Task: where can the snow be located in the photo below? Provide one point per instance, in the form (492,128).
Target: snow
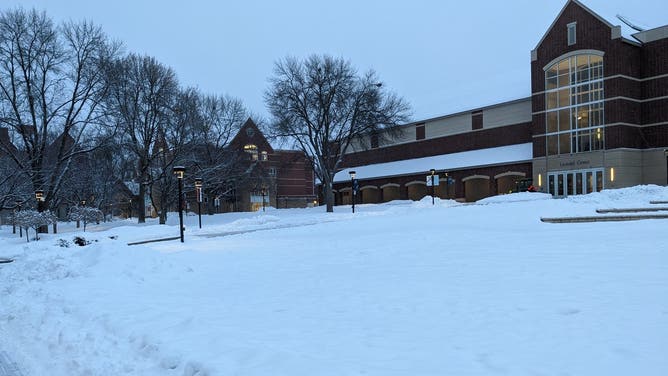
(453,161)
(403,288)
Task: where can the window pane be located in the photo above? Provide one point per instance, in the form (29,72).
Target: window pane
(569,183)
(583,141)
(551,100)
(599,181)
(560,184)
(552,122)
(563,66)
(564,120)
(590,182)
(551,83)
(564,143)
(564,80)
(596,114)
(564,98)
(550,185)
(552,142)
(582,116)
(578,183)
(597,141)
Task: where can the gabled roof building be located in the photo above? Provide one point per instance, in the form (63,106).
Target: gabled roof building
(597,118)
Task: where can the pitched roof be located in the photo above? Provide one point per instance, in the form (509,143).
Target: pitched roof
(626,31)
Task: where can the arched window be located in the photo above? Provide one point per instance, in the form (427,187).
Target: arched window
(574,104)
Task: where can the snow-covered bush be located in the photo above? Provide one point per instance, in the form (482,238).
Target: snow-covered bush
(34,219)
(85,215)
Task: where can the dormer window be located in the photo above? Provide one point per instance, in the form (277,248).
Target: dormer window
(263,156)
(572,33)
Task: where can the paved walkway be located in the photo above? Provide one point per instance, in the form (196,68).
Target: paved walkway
(7,366)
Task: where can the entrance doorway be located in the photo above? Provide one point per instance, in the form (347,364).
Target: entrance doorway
(569,183)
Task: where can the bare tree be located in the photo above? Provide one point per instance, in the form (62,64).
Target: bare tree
(220,118)
(323,104)
(143,95)
(51,90)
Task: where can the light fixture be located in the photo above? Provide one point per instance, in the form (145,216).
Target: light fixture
(352,174)
(612,174)
(179,171)
(39,195)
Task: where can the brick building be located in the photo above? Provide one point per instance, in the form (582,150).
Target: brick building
(597,118)
(278,178)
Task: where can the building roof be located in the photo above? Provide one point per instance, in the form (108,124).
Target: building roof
(448,162)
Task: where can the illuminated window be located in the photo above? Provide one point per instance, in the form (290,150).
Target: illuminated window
(574,105)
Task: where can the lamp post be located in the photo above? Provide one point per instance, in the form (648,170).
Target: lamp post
(264,193)
(18,206)
(432,185)
(447,186)
(352,186)
(198,192)
(180,171)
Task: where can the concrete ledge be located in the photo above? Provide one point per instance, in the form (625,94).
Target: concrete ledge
(5,261)
(658,202)
(155,240)
(631,210)
(609,218)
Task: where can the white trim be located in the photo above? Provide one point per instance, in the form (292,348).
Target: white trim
(510,173)
(347,189)
(390,185)
(368,187)
(475,177)
(571,54)
(416,182)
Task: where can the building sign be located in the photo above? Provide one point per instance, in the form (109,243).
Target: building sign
(577,163)
(429,180)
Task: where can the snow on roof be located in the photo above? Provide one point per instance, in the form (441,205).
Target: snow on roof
(453,161)
(627,31)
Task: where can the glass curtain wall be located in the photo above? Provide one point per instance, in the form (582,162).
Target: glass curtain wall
(574,105)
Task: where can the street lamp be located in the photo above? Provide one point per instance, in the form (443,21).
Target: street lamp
(180,171)
(432,185)
(18,206)
(352,186)
(83,202)
(198,192)
(264,193)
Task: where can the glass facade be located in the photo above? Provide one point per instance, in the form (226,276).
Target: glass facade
(574,105)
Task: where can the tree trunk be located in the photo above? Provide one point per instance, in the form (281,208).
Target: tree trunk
(141,212)
(329,197)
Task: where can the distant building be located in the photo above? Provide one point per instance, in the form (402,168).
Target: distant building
(597,118)
(265,176)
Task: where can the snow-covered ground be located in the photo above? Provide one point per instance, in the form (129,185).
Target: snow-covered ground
(403,288)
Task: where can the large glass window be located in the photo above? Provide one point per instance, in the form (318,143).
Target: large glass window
(574,105)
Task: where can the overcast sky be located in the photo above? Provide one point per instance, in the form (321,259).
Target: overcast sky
(442,56)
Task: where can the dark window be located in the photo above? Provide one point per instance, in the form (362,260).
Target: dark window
(419,132)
